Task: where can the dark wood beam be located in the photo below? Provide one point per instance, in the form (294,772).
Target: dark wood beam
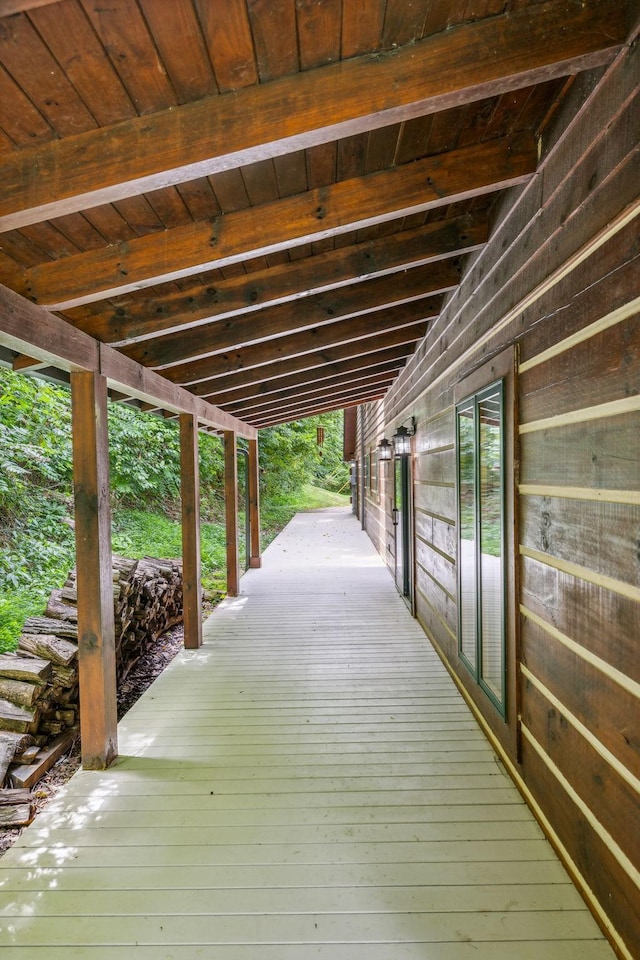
(231,511)
(289,318)
(190,497)
(351,371)
(132,320)
(325,393)
(96,629)
(296,410)
(404,339)
(28,329)
(253,497)
(357,330)
(474,61)
(309,411)
(258,231)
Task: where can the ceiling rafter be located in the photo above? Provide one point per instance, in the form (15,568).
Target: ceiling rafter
(296,112)
(279,248)
(314,215)
(134,321)
(289,318)
(358,331)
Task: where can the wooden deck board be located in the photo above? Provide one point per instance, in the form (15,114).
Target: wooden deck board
(307,784)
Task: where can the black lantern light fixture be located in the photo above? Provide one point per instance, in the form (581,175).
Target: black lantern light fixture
(402,439)
(384,449)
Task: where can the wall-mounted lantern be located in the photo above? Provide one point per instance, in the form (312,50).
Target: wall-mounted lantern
(402,439)
(384,449)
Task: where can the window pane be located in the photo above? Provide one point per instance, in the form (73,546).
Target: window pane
(491,560)
(467,553)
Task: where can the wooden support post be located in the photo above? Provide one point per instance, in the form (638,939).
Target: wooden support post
(231,511)
(190,491)
(96,633)
(253,505)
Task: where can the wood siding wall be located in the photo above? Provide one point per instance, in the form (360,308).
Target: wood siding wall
(559,281)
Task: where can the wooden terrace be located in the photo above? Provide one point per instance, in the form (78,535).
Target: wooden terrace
(308,783)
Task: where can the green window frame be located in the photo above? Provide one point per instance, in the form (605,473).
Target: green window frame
(482,594)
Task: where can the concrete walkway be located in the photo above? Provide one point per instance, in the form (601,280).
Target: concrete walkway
(307,785)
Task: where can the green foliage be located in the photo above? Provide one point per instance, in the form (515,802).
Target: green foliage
(36,502)
(14,610)
(35,439)
(290,455)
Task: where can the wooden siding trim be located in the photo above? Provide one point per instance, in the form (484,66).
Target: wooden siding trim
(630,497)
(623,772)
(614,408)
(584,573)
(592,330)
(587,813)
(624,681)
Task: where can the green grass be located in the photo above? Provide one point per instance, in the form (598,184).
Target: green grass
(140,533)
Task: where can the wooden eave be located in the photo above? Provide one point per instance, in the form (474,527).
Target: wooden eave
(251,223)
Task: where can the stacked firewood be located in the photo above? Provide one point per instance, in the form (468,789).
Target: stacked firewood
(39,693)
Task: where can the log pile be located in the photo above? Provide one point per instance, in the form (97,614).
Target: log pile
(39,693)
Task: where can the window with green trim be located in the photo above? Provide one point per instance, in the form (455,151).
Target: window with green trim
(481,539)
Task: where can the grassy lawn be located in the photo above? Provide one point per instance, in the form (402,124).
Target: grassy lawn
(139,533)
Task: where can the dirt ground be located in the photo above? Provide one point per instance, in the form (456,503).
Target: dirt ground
(138,680)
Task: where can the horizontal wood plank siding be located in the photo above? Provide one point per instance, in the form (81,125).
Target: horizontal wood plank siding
(559,280)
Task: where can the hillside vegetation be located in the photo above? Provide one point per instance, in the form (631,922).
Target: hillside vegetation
(37,546)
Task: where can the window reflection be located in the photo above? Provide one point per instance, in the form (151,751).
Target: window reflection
(480,546)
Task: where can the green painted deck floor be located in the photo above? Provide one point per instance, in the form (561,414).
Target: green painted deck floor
(307,784)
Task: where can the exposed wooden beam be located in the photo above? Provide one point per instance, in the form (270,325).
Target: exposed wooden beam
(253,497)
(23,362)
(190,497)
(403,338)
(132,320)
(231,511)
(293,409)
(356,330)
(301,412)
(29,329)
(288,318)
(349,370)
(258,231)
(96,630)
(325,394)
(475,60)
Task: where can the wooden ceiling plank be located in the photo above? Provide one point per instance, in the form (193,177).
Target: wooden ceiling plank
(301,414)
(21,122)
(328,387)
(30,62)
(308,341)
(393,359)
(73,41)
(133,53)
(351,204)
(548,40)
(329,358)
(362,23)
(275,37)
(228,35)
(296,408)
(191,76)
(288,318)
(319,29)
